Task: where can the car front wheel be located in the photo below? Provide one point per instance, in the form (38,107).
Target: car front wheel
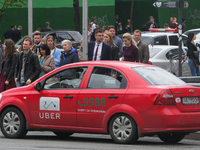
(171,137)
(12,123)
(123,129)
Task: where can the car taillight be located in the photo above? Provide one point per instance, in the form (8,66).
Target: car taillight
(165,98)
(150,62)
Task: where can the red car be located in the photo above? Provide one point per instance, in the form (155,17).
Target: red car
(126,100)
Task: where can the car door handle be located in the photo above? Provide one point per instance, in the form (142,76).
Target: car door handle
(68,96)
(113,96)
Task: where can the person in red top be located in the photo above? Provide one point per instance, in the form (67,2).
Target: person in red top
(131,52)
(173,24)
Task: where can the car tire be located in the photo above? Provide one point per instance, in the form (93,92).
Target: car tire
(62,134)
(123,129)
(13,123)
(171,137)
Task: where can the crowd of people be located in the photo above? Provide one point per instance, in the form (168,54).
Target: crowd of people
(28,63)
(173,24)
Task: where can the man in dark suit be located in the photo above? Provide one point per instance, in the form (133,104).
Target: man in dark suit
(97,50)
(143,48)
(8,33)
(16,34)
(47,27)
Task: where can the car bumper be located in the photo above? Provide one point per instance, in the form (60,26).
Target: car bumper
(169,119)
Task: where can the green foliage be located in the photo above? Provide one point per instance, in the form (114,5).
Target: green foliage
(11,3)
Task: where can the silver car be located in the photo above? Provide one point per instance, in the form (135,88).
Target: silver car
(159,56)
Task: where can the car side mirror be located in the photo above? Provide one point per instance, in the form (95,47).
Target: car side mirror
(38,86)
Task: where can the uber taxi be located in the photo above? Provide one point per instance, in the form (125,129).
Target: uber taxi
(126,100)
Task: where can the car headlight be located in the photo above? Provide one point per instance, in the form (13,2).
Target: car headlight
(0,96)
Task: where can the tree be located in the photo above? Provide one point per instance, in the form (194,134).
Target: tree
(11,3)
(77,19)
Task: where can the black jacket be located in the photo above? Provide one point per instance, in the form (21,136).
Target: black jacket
(8,34)
(69,57)
(191,49)
(32,66)
(46,29)
(9,67)
(115,51)
(16,35)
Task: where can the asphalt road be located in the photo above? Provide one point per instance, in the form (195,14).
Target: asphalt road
(48,141)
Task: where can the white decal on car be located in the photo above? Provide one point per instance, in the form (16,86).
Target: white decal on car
(49,103)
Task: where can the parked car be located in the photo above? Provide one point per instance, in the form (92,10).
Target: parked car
(59,36)
(196,31)
(123,99)
(159,56)
(160,38)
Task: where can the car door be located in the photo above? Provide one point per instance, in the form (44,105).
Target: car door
(103,93)
(56,103)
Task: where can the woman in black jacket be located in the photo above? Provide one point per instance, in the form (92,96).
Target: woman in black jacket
(193,61)
(108,39)
(8,66)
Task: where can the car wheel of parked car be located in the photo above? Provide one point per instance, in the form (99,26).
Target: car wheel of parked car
(62,134)
(13,123)
(123,129)
(171,137)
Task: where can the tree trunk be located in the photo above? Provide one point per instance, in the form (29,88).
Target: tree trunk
(77,16)
(131,15)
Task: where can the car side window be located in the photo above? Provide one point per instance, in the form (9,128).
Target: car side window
(175,53)
(66,79)
(63,36)
(161,40)
(106,78)
(173,40)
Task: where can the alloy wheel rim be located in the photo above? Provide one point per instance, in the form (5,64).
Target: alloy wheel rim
(122,128)
(11,123)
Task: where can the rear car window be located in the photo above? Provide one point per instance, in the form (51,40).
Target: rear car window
(173,40)
(154,51)
(161,40)
(147,40)
(157,76)
(77,35)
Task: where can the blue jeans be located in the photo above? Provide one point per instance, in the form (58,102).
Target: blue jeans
(194,70)
(20,84)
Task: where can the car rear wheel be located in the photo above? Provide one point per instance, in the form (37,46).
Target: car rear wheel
(12,123)
(123,129)
(171,137)
(62,134)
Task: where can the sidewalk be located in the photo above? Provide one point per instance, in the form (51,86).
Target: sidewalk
(193,136)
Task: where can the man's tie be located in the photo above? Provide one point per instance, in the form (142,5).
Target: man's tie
(95,57)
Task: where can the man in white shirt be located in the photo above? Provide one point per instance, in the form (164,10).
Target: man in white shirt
(97,50)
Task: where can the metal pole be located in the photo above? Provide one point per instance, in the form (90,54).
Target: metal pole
(180,36)
(85,30)
(30,18)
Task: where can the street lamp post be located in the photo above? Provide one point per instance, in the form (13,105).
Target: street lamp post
(30,18)
(85,30)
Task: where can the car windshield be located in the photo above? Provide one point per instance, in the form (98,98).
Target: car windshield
(77,35)
(187,32)
(146,39)
(154,51)
(157,76)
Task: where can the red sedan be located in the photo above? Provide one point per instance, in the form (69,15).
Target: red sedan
(126,100)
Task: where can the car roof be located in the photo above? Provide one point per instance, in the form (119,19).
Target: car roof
(118,64)
(58,31)
(198,29)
